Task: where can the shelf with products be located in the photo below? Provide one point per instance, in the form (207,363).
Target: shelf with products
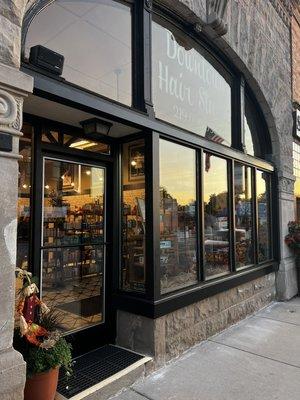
(81,228)
(133,249)
(67,263)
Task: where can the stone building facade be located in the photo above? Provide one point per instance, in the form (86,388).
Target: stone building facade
(258,44)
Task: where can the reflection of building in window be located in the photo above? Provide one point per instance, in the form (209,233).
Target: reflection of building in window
(263,201)
(133,216)
(244,252)
(216,229)
(178,236)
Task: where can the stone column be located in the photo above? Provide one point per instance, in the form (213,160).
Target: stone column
(286,279)
(14,86)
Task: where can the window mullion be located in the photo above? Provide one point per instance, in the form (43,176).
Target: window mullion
(152,217)
(255,216)
(231,216)
(238,109)
(141,54)
(200,216)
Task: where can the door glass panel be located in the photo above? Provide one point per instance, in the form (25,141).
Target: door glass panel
(73,249)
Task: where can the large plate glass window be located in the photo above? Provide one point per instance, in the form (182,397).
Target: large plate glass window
(133,216)
(216,216)
(178,228)
(94,36)
(73,242)
(263,210)
(24,197)
(188,91)
(243,203)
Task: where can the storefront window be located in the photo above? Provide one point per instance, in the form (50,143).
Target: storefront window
(216,224)
(244,253)
(133,216)
(296,161)
(178,228)
(94,36)
(263,204)
(24,202)
(187,90)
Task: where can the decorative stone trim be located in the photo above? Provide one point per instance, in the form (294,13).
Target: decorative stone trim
(215,10)
(286,184)
(8,108)
(285,9)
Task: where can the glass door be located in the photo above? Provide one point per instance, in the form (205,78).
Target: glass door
(73,242)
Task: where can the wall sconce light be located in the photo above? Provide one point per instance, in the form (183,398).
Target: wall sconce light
(95,127)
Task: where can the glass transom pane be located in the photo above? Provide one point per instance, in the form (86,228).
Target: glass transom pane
(187,90)
(94,36)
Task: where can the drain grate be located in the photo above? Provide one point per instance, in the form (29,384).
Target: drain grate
(94,367)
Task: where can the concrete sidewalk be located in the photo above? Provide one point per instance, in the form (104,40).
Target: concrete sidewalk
(258,359)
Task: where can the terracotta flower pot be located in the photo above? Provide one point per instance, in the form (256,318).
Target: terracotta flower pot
(42,386)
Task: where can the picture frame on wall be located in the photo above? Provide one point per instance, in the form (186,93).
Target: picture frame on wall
(136,163)
(71,178)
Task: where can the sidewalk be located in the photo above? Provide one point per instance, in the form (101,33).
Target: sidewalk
(258,359)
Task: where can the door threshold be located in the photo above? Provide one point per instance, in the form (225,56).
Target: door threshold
(100,370)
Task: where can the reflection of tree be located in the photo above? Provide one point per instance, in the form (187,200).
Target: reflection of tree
(217,204)
(164,194)
(262,197)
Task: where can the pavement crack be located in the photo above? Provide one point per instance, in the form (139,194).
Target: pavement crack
(254,354)
(278,320)
(142,394)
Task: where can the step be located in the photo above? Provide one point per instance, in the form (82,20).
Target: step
(101,373)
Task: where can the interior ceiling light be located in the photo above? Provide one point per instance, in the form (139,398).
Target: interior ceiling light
(82,144)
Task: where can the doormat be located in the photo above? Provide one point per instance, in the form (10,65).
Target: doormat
(94,367)
(85,307)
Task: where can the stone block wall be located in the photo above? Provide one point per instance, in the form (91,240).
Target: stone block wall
(295,36)
(167,337)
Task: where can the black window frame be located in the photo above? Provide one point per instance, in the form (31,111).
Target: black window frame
(141,115)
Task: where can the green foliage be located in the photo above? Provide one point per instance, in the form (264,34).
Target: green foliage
(294,227)
(42,360)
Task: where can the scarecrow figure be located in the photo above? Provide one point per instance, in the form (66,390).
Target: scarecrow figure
(30,308)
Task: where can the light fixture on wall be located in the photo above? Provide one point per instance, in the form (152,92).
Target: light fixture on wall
(95,127)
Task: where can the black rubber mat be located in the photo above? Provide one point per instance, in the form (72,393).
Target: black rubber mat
(94,367)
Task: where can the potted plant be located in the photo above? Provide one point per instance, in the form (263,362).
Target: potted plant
(41,344)
(292,239)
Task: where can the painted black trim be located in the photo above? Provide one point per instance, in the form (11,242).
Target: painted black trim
(66,94)
(175,301)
